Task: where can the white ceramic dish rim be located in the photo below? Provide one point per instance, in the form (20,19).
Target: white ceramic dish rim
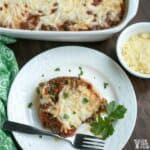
(119,55)
(117,28)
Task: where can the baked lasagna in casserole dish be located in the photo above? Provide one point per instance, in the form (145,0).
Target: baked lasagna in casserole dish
(66,103)
(61,15)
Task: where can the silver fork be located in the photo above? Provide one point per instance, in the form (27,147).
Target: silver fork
(79,141)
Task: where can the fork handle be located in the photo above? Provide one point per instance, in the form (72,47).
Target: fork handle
(14,126)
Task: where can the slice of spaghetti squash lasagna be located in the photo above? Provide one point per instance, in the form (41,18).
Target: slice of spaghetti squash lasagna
(66,103)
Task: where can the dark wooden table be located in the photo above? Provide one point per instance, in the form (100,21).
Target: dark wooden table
(26,49)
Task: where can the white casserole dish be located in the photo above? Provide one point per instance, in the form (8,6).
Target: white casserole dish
(77,36)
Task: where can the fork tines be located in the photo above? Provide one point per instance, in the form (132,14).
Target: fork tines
(89,142)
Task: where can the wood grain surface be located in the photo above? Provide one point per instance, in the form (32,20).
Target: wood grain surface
(26,49)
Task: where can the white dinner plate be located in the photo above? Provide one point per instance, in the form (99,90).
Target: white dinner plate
(97,68)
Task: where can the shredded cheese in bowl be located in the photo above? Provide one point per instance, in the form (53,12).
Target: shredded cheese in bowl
(136,52)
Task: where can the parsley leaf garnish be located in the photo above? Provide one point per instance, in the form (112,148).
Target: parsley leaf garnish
(65,95)
(103,127)
(30,105)
(81,71)
(74,112)
(38,90)
(115,111)
(106,85)
(85,100)
(66,116)
(57,69)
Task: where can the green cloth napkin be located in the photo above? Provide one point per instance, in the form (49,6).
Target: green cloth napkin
(8,71)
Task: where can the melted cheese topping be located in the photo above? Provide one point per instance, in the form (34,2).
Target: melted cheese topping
(136,52)
(61,14)
(76,107)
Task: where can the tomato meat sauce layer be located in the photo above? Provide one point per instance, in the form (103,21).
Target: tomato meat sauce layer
(68,102)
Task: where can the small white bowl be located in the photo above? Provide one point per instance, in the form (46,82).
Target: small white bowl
(142,27)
